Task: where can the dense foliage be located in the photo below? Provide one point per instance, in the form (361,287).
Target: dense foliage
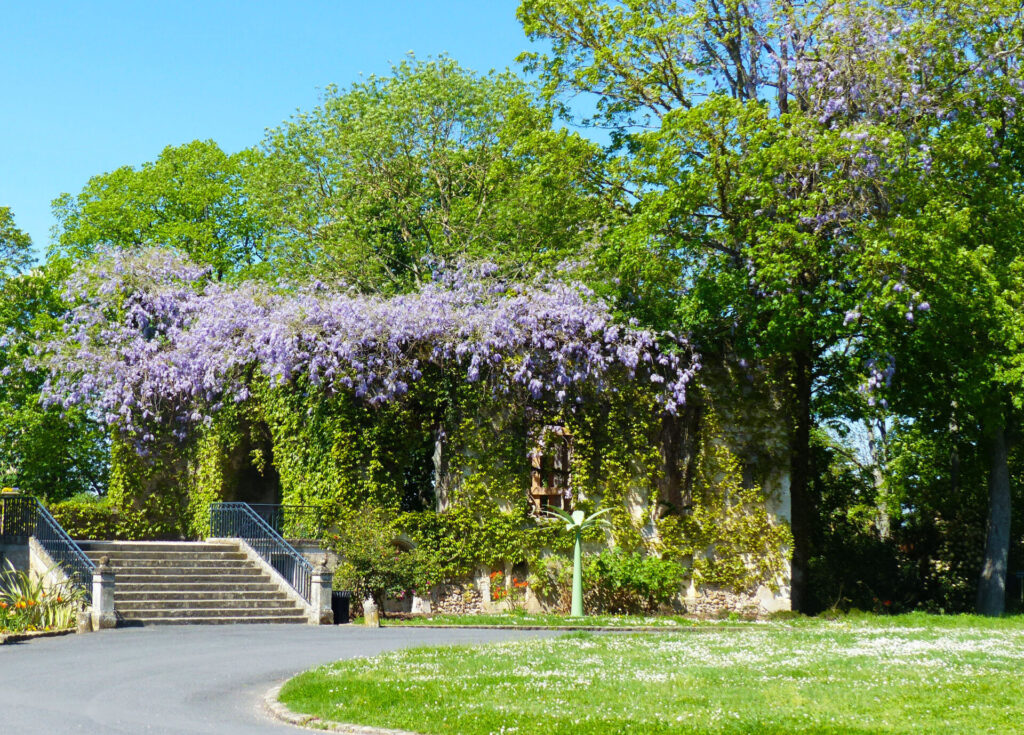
(796,264)
(784,177)
(432,163)
(615,581)
(373,562)
(43,451)
(87,516)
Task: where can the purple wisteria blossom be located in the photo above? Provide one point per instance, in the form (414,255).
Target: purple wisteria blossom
(153,344)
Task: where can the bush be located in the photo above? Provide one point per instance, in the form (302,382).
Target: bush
(551,582)
(614,581)
(371,563)
(88,517)
(630,583)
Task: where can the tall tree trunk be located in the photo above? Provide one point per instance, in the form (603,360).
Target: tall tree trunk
(442,476)
(680,447)
(954,454)
(992,585)
(801,500)
(876,450)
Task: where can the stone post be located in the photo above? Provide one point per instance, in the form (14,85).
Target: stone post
(103,596)
(83,621)
(371,615)
(421,605)
(320,596)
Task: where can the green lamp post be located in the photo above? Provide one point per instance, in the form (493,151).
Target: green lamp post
(578,522)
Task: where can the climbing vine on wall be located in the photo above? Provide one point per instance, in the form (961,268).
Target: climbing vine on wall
(728,532)
(616,461)
(151,491)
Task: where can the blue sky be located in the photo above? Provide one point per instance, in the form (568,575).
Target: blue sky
(86,87)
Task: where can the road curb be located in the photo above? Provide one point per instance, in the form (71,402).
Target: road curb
(6,638)
(280,711)
(580,628)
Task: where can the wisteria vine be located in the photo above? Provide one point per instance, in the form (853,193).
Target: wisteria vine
(152,344)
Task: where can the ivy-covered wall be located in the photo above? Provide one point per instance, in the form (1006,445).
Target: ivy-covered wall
(452,462)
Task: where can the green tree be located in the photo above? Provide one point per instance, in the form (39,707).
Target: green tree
(730,190)
(15,245)
(371,563)
(430,164)
(191,198)
(960,232)
(764,147)
(43,451)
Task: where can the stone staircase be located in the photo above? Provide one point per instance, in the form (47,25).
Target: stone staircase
(176,583)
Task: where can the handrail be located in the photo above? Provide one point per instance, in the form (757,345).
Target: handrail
(238,520)
(25,516)
(17,518)
(62,549)
(293,521)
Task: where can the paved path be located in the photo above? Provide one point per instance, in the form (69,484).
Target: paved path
(181,680)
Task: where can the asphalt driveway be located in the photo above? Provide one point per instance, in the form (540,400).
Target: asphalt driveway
(181,679)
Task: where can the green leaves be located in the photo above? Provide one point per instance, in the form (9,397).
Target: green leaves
(15,246)
(191,198)
(371,561)
(46,452)
(433,163)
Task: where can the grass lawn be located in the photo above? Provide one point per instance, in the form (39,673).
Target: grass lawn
(545,620)
(908,674)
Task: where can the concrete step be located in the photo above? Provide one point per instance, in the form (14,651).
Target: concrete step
(217,620)
(144,557)
(191,607)
(152,546)
(160,565)
(173,583)
(157,613)
(178,586)
(217,594)
(185,574)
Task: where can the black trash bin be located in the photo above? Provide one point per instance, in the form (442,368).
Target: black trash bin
(339,605)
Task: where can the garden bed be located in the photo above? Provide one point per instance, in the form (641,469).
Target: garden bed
(912,673)
(22,636)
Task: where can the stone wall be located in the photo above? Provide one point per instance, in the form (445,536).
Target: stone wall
(457,599)
(16,554)
(708,603)
(712,604)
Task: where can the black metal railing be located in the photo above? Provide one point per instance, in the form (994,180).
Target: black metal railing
(239,520)
(62,549)
(17,518)
(22,516)
(294,521)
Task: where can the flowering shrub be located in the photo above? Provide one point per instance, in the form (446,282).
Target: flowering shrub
(28,604)
(155,346)
(370,562)
(514,594)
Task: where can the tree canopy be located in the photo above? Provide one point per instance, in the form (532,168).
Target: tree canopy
(824,198)
(192,197)
(428,165)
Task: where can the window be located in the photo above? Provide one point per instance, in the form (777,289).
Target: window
(549,470)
